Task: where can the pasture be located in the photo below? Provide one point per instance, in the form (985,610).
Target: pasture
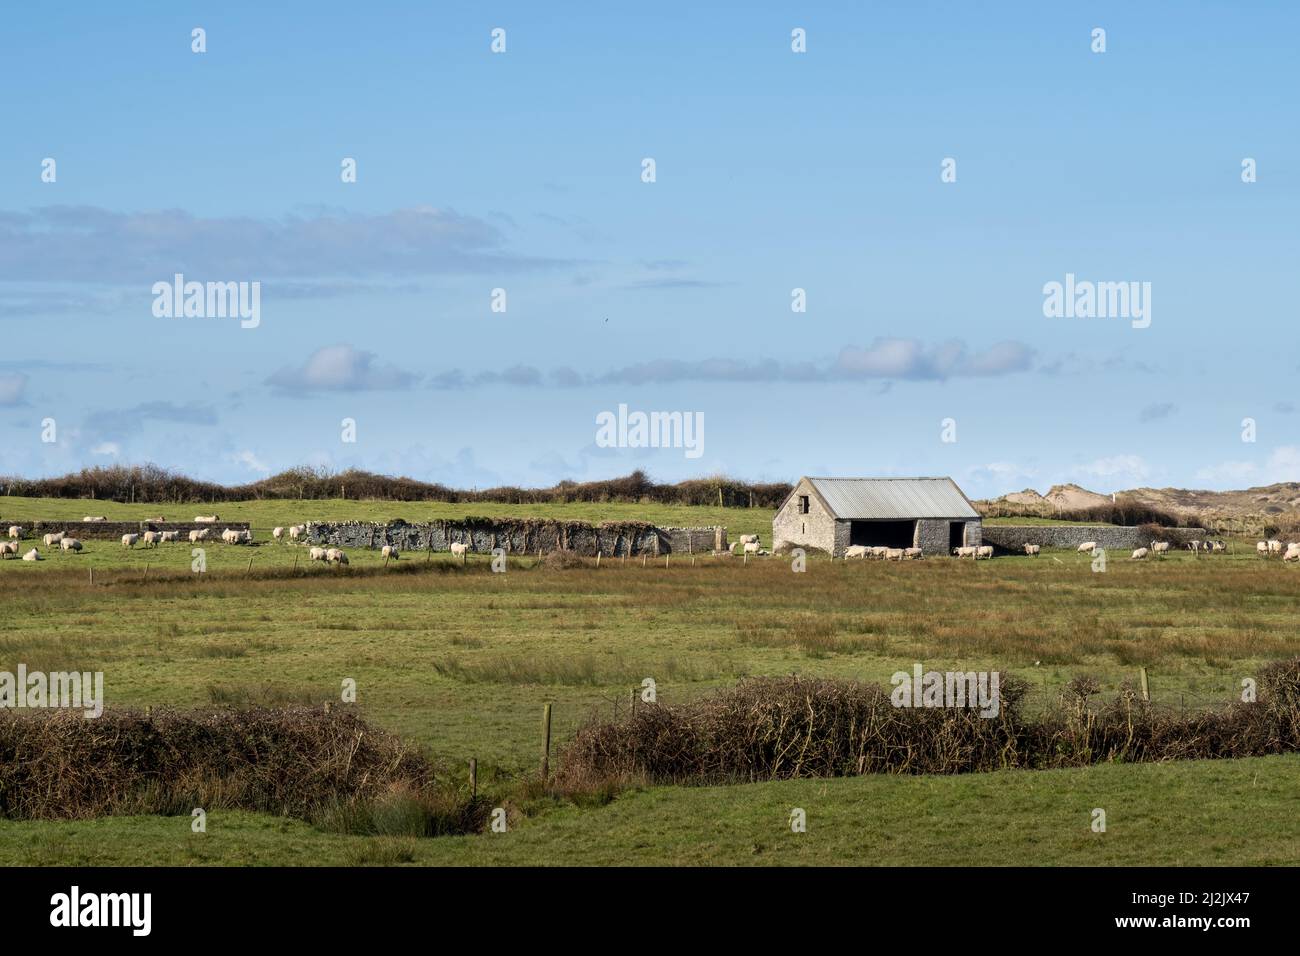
(459,661)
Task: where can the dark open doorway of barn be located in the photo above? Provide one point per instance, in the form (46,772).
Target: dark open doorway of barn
(888,534)
(956,535)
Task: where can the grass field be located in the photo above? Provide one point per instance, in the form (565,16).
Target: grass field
(459,661)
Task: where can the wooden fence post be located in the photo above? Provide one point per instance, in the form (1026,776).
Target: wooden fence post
(1146,687)
(546,742)
(473,777)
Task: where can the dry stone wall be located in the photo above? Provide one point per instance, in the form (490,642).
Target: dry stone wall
(520,537)
(1013,538)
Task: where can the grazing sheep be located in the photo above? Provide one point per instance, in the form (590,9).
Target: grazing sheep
(966,552)
(1139,554)
(33,555)
(1087,546)
(165,536)
(1292,552)
(129,540)
(1218,546)
(459,547)
(207,519)
(893,554)
(1032,550)
(749,539)
(1159,547)
(245,537)
(69,544)
(316,554)
(984,551)
(94,518)
(878,552)
(228,536)
(751,547)
(1274,546)
(388,551)
(53,538)
(336,556)
(296,531)
(912,554)
(1194,546)
(7,548)
(151,538)
(198,534)
(856,551)
(277,533)
(1261,547)
(15,532)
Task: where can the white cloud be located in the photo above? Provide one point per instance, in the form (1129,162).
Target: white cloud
(340,368)
(12,388)
(250,461)
(110,449)
(1118,470)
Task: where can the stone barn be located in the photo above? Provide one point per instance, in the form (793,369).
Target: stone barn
(831,514)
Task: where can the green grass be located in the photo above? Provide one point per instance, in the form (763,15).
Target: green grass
(459,661)
(1224,813)
(265,515)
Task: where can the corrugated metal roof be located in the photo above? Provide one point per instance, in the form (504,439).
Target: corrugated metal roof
(862,499)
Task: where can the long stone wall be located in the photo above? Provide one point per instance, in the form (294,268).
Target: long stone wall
(115,529)
(1013,538)
(521,537)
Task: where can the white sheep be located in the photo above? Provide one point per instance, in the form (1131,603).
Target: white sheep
(855,551)
(984,551)
(244,537)
(151,538)
(733,546)
(7,548)
(206,519)
(1217,546)
(1274,546)
(33,555)
(1292,552)
(1159,547)
(1088,546)
(388,551)
(129,540)
(1032,550)
(878,552)
(1194,546)
(165,536)
(336,556)
(1139,554)
(15,532)
(229,536)
(94,518)
(53,538)
(277,533)
(749,539)
(966,552)
(296,531)
(1261,547)
(751,547)
(70,544)
(316,554)
(459,547)
(198,534)
(912,554)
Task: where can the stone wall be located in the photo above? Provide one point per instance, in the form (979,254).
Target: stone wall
(932,534)
(114,530)
(816,529)
(521,537)
(1013,538)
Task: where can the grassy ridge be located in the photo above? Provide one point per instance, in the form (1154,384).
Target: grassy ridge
(1225,813)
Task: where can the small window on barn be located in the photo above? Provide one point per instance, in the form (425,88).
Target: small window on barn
(803,504)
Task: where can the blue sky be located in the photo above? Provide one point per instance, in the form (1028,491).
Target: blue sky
(774,171)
